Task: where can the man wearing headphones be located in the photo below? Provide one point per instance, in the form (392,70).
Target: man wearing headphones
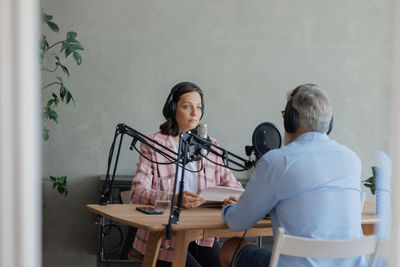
(310,187)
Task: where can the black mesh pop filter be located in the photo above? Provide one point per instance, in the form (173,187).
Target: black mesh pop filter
(266,136)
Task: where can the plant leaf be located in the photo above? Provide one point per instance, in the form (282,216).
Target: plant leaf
(63,46)
(68,50)
(61,184)
(65,70)
(72,40)
(71,35)
(370,180)
(51,114)
(68,97)
(43,43)
(77,46)
(53,26)
(63,92)
(55,99)
(45,133)
(78,58)
(59,78)
(45,17)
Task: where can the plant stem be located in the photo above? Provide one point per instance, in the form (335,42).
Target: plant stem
(50,70)
(51,85)
(54,45)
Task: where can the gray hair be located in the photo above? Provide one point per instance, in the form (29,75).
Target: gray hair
(313,106)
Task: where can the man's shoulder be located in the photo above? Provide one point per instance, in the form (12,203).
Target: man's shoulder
(344,149)
(297,149)
(274,155)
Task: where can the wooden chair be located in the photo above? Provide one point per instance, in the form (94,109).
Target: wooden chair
(125,197)
(315,248)
(133,255)
(381,252)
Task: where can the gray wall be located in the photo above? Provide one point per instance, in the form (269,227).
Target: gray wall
(244,54)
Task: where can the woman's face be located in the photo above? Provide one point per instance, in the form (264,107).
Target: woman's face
(188,111)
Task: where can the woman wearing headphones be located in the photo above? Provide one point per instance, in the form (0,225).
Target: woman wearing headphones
(183,110)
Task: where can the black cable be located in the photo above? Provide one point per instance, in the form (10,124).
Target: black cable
(189,170)
(222,165)
(106,230)
(165,163)
(236,250)
(161,163)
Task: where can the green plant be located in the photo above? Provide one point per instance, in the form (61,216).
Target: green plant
(370,182)
(56,91)
(60,183)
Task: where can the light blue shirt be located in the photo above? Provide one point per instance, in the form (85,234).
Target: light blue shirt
(311,188)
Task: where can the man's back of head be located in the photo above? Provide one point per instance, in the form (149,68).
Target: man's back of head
(308,109)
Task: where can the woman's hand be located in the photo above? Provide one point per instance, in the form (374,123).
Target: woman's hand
(191,200)
(230,200)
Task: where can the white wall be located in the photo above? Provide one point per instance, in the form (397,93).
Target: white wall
(20,148)
(244,54)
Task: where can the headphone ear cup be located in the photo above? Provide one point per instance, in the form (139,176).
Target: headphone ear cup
(167,109)
(170,105)
(172,109)
(291,120)
(330,126)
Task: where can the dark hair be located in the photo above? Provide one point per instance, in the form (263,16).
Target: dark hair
(170,126)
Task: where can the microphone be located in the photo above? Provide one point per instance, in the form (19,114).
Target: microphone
(202,131)
(265,137)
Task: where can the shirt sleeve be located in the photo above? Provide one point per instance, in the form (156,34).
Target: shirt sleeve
(141,190)
(257,200)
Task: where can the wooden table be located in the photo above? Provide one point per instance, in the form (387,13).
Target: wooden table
(193,224)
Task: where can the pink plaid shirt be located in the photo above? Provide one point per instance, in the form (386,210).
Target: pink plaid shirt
(144,185)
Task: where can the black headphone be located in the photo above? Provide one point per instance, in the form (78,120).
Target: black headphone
(291,115)
(169,109)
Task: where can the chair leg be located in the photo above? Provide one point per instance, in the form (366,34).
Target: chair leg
(259,241)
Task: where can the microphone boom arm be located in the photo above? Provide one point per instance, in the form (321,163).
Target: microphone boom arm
(120,131)
(180,159)
(204,143)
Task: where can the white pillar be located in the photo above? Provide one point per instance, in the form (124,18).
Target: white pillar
(395,138)
(20,143)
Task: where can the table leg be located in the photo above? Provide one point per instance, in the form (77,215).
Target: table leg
(152,249)
(183,238)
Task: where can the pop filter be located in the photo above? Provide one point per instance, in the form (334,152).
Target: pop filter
(266,136)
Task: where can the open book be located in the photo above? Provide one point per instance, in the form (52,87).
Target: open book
(215,196)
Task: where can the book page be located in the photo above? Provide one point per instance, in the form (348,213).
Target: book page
(217,194)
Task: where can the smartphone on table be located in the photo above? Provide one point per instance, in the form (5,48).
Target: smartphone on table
(149,210)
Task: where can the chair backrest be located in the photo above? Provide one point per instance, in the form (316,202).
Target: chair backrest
(316,248)
(382,253)
(125,197)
